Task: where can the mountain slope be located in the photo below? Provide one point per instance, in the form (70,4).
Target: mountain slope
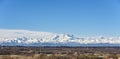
(34,38)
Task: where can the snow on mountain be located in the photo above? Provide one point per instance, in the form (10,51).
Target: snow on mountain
(34,38)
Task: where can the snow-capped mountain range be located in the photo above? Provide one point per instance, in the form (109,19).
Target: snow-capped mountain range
(34,38)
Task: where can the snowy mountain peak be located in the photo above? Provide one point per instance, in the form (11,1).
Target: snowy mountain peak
(34,38)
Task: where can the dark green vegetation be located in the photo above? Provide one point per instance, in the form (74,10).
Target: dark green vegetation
(20,52)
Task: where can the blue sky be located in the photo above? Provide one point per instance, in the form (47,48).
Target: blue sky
(81,17)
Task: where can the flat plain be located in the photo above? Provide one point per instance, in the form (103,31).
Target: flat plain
(62,52)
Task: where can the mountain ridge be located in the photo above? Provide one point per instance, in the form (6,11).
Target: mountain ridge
(34,38)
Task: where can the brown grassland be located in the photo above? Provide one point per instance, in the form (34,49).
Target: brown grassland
(20,52)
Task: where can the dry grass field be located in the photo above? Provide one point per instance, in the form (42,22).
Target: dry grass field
(59,56)
(59,52)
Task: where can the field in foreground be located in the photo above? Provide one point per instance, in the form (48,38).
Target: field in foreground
(55,56)
(20,52)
